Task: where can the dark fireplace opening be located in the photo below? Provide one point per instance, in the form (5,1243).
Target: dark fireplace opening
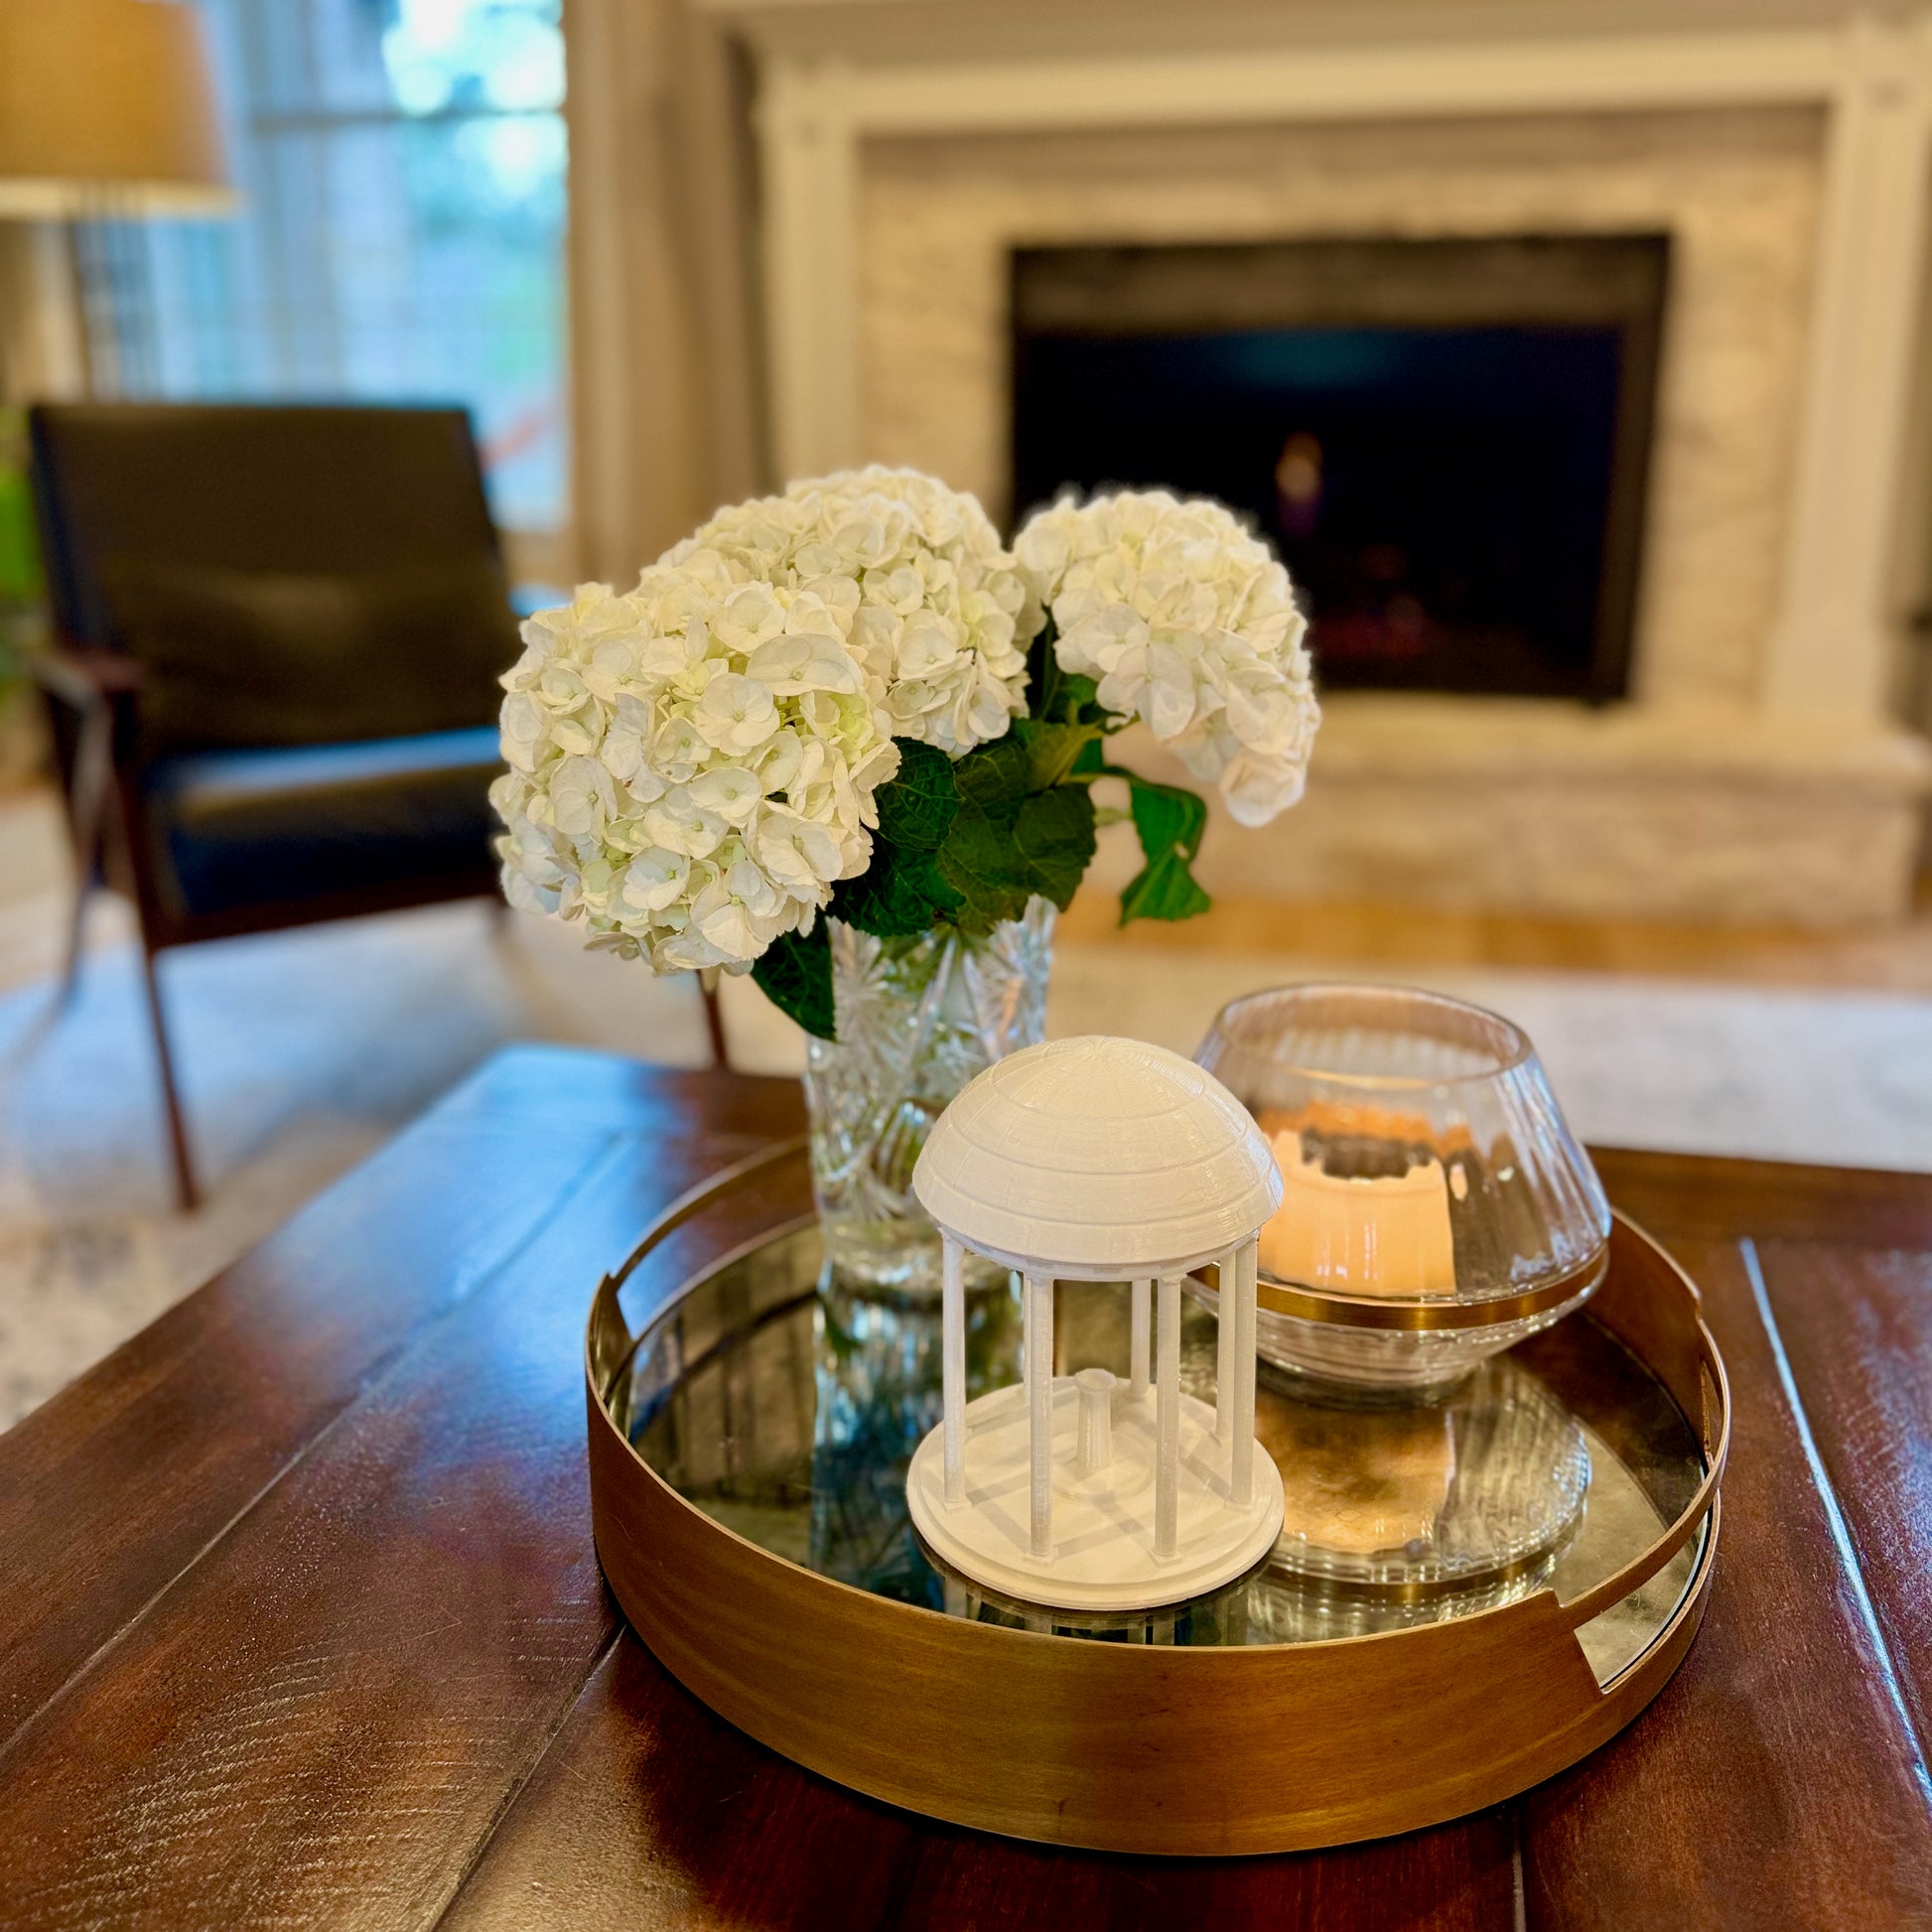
(1446,442)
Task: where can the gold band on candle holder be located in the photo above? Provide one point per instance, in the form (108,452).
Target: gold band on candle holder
(1308,1304)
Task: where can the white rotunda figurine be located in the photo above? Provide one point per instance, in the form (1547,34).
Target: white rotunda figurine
(1099,1160)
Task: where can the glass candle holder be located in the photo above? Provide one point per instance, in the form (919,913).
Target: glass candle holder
(1436,1209)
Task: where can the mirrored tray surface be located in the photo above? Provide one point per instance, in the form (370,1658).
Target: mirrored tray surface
(785,1405)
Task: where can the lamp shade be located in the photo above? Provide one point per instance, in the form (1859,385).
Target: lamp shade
(107,107)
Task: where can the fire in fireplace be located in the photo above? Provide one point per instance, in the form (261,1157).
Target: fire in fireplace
(1447,441)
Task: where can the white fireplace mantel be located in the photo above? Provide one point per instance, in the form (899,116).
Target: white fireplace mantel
(1874,79)
(832,76)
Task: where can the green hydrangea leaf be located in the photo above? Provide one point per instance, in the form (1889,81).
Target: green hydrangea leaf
(1169,823)
(992,778)
(917,804)
(1043,671)
(1164,888)
(1053,842)
(1053,751)
(978,861)
(1080,700)
(795,975)
(920,873)
(898,895)
(1021,829)
(1056,696)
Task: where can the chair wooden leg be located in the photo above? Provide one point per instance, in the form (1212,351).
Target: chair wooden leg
(92,770)
(714,1019)
(186,1193)
(76,940)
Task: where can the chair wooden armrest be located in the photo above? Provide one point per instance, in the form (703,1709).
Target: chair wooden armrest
(83,676)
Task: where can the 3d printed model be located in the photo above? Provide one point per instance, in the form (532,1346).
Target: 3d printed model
(1099,1160)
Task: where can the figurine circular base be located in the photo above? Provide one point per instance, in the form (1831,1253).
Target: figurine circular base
(1102,1557)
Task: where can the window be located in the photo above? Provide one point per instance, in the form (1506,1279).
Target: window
(402,164)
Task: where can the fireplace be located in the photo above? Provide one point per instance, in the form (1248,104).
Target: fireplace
(1447,441)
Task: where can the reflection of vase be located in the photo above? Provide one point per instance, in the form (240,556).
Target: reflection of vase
(878,1368)
(917,1018)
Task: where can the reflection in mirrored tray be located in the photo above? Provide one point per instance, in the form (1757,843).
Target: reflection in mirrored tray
(787,1404)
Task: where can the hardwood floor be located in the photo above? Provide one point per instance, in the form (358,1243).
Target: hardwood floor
(1894,959)
(34,887)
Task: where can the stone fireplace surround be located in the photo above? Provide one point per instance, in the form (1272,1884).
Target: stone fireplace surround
(1756,773)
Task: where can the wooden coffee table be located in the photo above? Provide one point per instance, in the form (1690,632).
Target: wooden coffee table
(300,1621)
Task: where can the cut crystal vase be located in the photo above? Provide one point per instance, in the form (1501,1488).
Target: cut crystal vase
(917,1018)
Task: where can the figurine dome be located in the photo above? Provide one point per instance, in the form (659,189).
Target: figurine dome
(1101,1158)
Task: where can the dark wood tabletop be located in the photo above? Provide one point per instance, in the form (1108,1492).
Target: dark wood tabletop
(300,1624)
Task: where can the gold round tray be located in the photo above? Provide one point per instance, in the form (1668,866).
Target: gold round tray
(746,1420)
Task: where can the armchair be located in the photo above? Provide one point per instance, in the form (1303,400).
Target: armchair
(273,693)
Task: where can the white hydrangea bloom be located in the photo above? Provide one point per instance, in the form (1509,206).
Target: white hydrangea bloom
(1186,622)
(692,766)
(908,575)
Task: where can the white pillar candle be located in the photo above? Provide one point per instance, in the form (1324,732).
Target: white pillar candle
(1388,1234)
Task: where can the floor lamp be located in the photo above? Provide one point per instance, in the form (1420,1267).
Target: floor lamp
(107,113)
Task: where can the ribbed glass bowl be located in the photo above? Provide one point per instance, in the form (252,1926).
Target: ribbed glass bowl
(1437,1208)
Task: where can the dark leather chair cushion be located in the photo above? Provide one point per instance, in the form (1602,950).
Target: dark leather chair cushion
(254,659)
(260,828)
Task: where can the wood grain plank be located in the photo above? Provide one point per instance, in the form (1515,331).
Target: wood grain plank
(651,1812)
(319,1720)
(1855,1325)
(1771,1784)
(1701,1198)
(109,1491)
(1457,1877)
(527,1084)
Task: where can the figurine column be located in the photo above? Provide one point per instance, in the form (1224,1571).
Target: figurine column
(1038,1343)
(952,1307)
(1239,1289)
(1141,1324)
(1167,1423)
(1224,1355)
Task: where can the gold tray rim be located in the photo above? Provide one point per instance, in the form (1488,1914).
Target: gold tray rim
(851,1685)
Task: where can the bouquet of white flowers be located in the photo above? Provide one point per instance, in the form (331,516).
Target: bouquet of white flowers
(852,699)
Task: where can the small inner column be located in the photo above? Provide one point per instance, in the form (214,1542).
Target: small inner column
(1166,1424)
(1141,1324)
(1040,1408)
(1096,1431)
(1241,1466)
(953,1373)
